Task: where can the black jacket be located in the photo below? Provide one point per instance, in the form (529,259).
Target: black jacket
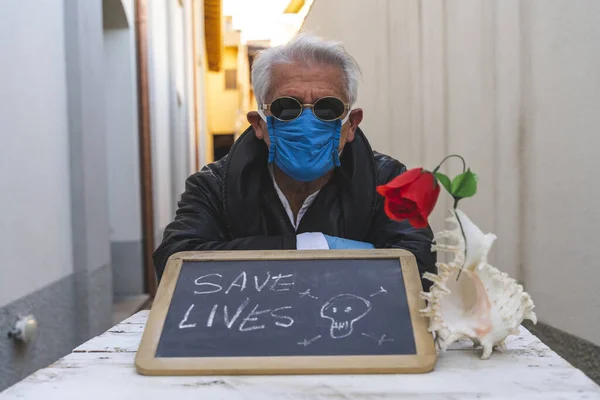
(231,204)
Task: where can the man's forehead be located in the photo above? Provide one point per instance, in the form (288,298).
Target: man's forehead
(307,82)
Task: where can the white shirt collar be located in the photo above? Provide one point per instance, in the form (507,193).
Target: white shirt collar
(286,205)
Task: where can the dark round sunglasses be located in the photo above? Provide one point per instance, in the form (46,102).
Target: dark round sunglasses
(288,108)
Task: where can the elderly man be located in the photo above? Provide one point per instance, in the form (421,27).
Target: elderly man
(303,176)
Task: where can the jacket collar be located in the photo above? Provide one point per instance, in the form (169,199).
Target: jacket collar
(248,190)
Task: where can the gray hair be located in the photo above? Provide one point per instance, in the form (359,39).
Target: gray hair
(307,49)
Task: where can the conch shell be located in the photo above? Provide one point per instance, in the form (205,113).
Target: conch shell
(484,305)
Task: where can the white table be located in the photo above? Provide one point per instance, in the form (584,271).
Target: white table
(103,368)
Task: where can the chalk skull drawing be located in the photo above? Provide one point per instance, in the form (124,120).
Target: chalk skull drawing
(344,310)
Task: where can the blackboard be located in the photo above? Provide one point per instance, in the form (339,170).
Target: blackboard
(292,307)
(285,305)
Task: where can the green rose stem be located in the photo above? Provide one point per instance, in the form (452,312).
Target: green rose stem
(456,199)
(450,156)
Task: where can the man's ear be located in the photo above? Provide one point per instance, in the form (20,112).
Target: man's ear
(356,117)
(257,124)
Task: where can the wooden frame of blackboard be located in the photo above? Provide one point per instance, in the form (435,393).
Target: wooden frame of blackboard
(423,361)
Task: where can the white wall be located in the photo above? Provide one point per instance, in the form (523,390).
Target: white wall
(200,64)
(189,89)
(563,126)
(35,228)
(122,132)
(159,81)
(129,8)
(178,100)
(514,87)
(331,19)
(172,100)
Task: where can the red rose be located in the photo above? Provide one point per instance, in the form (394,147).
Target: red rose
(411,195)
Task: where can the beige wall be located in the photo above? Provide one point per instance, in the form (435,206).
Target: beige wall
(227,108)
(246,95)
(222,104)
(514,87)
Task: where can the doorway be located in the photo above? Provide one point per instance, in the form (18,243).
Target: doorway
(222,144)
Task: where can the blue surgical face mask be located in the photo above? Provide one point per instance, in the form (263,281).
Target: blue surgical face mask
(305,148)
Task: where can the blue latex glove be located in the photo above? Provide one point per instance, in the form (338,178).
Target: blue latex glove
(337,243)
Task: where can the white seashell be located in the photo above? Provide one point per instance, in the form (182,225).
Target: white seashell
(484,305)
(478,243)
